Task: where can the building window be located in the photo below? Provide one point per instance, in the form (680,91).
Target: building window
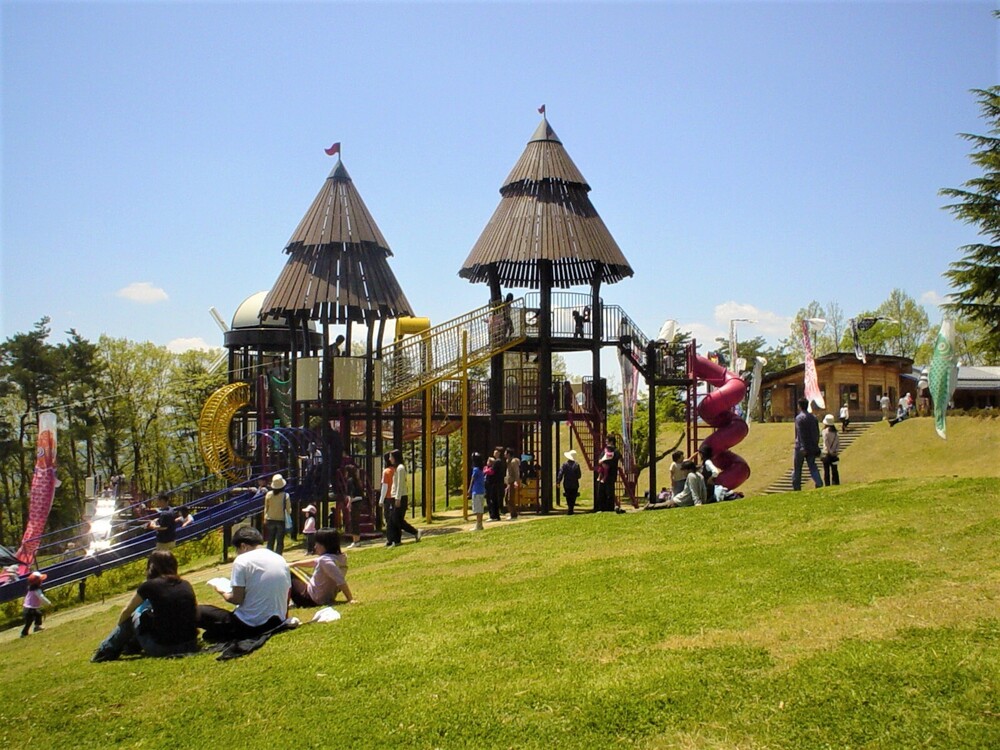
(849,395)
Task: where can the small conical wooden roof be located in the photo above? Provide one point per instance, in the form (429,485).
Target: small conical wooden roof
(545,214)
(338,267)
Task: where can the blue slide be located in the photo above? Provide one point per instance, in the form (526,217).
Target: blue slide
(231,509)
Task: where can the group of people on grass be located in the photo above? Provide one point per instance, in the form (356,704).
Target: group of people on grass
(692,483)
(163,617)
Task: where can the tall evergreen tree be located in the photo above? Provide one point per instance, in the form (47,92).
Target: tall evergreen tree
(976,277)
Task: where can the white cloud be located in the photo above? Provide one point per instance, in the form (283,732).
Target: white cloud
(177,346)
(143,292)
(768,324)
(931,297)
(704,334)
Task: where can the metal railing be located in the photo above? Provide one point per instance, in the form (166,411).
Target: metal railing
(423,359)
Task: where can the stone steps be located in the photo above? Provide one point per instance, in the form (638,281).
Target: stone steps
(856,430)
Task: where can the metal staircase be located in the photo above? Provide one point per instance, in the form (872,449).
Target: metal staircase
(443,351)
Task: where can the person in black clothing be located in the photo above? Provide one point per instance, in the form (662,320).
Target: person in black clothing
(165,524)
(494,484)
(160,619)
(569,476)
(607,475)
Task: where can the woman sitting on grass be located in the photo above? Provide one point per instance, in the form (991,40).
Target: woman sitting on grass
(692,494)
(329,567)
(161,618)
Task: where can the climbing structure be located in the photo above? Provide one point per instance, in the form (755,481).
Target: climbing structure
(545,234)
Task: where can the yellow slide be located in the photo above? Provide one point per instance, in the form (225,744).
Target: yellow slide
(217,414)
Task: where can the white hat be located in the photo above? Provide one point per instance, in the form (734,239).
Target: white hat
(309,509)
(277,482)
(570,454)
(828,419)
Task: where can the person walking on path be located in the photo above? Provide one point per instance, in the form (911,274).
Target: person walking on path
(806,446)
(385,498)
(34,600)
(569,476)
(845,417)
(400,498)
(276,508)
(831,451)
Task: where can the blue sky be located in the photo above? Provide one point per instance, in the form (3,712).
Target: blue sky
(748,157)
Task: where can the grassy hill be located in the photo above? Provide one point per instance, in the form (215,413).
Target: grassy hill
(859,616)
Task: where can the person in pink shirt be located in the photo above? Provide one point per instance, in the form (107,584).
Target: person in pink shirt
(328,579)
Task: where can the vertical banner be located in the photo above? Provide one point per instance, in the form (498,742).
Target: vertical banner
(812,381)
(754,410)
(943,376)
(43,489)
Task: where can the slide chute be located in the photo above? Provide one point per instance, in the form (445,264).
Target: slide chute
(716,409)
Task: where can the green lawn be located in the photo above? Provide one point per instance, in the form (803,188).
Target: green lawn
(852,617)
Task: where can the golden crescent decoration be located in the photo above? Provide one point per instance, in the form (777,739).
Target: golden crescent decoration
(214,442)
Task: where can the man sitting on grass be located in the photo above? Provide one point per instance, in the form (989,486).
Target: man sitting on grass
(260,584)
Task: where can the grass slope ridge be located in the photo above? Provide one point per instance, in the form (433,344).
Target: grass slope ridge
(849,617)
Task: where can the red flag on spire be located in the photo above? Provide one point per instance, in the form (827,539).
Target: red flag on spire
(541,110)
(333,150)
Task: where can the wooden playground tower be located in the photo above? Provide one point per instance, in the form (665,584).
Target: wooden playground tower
(545,236)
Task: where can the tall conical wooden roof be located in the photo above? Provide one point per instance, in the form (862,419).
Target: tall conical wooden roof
(338,267)
(545,214)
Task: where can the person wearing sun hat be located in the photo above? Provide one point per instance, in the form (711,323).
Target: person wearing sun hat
(276,507)
(309,527)
(569,476)
(831,451)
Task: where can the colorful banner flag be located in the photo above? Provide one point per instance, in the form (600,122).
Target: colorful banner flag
(43,489)
(333,150)
(753,406)
(812,381)
(943,376)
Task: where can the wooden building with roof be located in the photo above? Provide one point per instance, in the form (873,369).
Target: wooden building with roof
(843,379)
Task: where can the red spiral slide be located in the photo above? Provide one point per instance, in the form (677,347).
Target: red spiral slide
(716,410)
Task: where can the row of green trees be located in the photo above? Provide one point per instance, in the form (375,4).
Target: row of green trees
(124,408)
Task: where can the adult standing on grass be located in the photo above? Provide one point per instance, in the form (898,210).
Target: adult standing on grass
(831,451)
(328,578)
(607,475)
(386,500)
(165,524)
(276,507)
(260,584)
(161,617)
(569,476)
(477,489)
(495,484)
(806,446)
(400,499)
(512,482)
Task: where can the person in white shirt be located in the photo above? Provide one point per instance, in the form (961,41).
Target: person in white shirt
(260,584)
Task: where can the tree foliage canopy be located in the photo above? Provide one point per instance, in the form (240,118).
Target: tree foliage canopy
(976,277)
